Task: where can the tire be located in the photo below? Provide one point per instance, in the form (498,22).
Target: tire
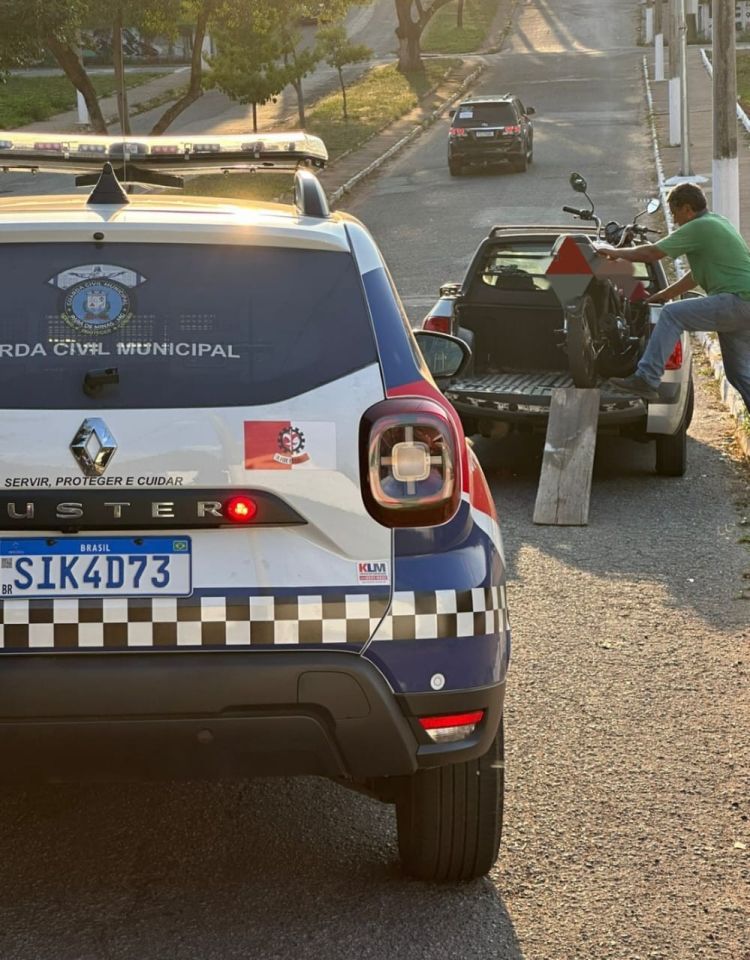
(520,164)
(671,453)
(579,318)
(530,154)
(690,405)
(455,167)
(450,818)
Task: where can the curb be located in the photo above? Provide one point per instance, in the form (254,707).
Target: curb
(741,115)
(729,395)
(405,140)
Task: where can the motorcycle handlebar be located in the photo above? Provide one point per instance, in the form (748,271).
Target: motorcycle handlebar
(575,211)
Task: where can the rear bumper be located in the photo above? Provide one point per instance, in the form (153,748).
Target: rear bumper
(486,152)
(218,715)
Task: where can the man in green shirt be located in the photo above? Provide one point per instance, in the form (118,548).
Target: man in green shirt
(719,262)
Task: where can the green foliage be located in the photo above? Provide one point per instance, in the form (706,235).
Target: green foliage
(443,36)
(380,97)
(337,49)
(29,99)
(247,66)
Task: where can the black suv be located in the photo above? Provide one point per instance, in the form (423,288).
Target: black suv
(489,130)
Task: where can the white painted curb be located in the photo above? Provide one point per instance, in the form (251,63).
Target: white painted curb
(400,144)
(729,395)
(741,115)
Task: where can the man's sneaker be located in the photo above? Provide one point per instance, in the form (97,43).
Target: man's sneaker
(634,385)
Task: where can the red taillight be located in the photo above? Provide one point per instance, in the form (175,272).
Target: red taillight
(457,132)
(438,324)
(513,129)
(675,358)
(451,726)
(409,463)
(240,509)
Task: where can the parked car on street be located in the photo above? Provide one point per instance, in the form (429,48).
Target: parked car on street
(489,130)
(241,530)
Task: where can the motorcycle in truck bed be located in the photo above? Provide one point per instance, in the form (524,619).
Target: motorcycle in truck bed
(540,310)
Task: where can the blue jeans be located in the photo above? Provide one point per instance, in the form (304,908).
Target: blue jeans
(723,313)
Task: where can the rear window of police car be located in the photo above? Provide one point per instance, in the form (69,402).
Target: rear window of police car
(186,325)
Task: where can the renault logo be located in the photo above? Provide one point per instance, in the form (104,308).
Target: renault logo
(93,447)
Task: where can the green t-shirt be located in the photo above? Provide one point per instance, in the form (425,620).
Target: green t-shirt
(718,256)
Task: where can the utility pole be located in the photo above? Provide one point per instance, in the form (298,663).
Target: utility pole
(726,171)
(674,74)
(649,27)
(685,170)
(658,41)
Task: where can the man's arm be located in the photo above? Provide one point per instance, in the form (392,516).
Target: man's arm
(674,290)
(646,253)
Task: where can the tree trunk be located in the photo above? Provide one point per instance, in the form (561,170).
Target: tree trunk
(460,15)
(75,72)
(409,34)
(119,71)
(195,87)
(255,117)
(297,84)
(343,91)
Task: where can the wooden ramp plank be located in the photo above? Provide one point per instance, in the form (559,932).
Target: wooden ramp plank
(565,481)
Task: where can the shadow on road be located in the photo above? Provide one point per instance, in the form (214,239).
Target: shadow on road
(692,561)
(264,869)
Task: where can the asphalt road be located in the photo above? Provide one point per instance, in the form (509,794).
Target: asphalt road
(627,720)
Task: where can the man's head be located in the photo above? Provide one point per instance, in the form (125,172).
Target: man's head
(686,201)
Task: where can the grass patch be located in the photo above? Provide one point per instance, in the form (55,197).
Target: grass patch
(743,79)
(380,97)
(443,36)
(29,99)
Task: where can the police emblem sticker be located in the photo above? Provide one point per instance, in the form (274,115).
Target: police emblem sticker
(97,306)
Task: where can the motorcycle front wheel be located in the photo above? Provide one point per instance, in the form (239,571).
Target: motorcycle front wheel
(580,324)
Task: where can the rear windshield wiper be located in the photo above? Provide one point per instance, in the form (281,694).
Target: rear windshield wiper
(96,379)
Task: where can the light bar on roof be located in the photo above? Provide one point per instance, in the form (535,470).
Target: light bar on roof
(185,155)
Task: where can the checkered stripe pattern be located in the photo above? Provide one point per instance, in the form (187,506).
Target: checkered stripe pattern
(255,621)
(445,613)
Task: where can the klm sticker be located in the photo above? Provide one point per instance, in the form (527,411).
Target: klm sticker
(373,571)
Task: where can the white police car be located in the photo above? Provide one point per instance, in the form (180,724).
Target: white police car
(241,531)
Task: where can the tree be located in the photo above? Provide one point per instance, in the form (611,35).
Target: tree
(413,16)
(247,66)
(338,52)
(32,27)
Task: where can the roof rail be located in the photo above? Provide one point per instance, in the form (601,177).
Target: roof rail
(161,160)
(309,196)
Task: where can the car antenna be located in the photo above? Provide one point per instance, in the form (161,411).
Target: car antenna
(108,189)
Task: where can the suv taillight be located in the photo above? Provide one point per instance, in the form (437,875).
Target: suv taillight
(515,128)
(675,358)
(409,463)
(457,132)
(437,324)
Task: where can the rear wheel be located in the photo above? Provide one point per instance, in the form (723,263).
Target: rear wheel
(580,318)
(671,454)
(455,167)
(521,163)
(450,818)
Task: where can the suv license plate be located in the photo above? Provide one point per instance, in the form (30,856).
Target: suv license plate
(40,567)
(485,133)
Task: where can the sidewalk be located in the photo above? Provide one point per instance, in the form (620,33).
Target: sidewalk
(700,98)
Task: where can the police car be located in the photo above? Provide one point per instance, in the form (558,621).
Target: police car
(241,530)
